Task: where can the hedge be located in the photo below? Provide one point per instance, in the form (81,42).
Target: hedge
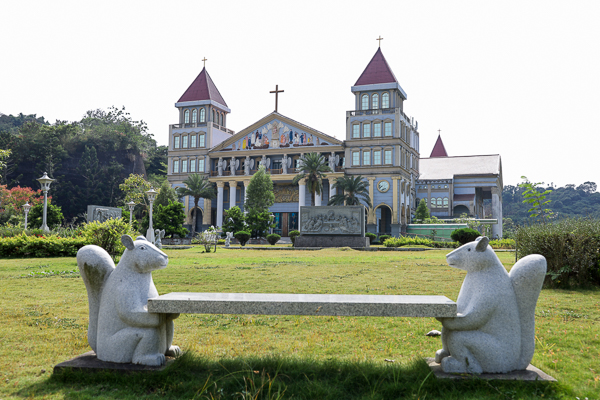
(40,246)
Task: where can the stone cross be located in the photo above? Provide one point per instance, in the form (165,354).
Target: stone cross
(276,91)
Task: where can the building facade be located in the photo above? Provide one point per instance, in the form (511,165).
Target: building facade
(381,145)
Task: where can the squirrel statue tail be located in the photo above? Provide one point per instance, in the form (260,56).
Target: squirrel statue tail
(95,266)
(527,277)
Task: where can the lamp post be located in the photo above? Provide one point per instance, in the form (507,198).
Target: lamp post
(45,182)
(26,208)
(131,205)
(151,197)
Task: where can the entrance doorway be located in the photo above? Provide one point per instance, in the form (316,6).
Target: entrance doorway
(385,221)
(285,222)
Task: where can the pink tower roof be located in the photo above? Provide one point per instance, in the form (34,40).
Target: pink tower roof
(439,150)
(378,71)
(203,88)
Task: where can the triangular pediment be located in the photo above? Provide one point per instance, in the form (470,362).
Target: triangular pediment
(277,132)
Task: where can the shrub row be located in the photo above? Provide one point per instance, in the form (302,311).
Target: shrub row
(40,246)
(571,248)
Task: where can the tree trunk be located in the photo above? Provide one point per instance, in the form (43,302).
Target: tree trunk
(195,216)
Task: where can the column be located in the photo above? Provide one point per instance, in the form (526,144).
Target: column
(207,211)
(318,199)
(395,199)
(220,186)
(301,196)
(232,190)
(496,214)
(246,183)
(332,190)
(371,215)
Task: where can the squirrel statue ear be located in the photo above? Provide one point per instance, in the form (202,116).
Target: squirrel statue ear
(141,238)
(482,243)
(127,242)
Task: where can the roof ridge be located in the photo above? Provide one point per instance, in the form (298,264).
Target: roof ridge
(377,71)
(203,88)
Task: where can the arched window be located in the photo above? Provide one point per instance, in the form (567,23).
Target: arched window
(194,116)
(375,100)
(439,202)
(385,100)
(186,116)
(213,113)
(202,115)
(365,102)
(221,120)
(445,202)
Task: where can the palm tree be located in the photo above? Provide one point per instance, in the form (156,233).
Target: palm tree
(350,192)
(197,186)
(312,168)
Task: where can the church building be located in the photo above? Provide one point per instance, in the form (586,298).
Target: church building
(381,145)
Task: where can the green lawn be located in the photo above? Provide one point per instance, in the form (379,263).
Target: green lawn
(43,314)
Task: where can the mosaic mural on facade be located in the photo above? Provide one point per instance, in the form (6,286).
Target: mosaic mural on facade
(286,194)
(275,135)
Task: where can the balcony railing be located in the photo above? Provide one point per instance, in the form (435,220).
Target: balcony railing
(373,111)
(201,124)
(272,171)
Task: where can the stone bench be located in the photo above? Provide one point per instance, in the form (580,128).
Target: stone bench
(303,304)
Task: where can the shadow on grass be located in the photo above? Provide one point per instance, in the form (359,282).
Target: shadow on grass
(191,377)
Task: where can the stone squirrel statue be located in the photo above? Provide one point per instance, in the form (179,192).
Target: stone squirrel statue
(494,331)
(121,329)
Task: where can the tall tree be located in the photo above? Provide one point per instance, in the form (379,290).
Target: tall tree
(350,192)
(313,167)
(198,187)
(259,197)
(422,212)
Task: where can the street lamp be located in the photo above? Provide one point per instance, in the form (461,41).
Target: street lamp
(131,205)
(150,232)
(26,208)
(45,182)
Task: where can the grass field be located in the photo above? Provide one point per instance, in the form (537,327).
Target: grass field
(43,316)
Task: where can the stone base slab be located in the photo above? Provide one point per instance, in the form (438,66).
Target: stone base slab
(89,362)
(530,374)
(331,241)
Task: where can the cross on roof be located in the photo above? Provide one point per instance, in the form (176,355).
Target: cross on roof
(380,39)
(439,131)
(204,60)
(276,91)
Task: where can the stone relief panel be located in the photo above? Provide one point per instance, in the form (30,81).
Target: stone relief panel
(332,220)
(100,213)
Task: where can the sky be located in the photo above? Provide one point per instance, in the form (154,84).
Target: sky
(515,78)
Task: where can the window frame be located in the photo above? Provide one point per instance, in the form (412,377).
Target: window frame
(375,100)
(385,100)
(364,98)
(186,117)
(387,124)
(378,125)
(356,158)
(200,165)
(194,116)
(175,166)
(193,141)
(193,165)
(202,115)
(184,166)
(366,129)
(356,131)
(376,155)
(201,140)
(176,142)
(184,142)
(366,157)
(385,152)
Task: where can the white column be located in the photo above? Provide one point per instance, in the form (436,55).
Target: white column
(318,199)
(220,203)
(301,196)
(246,183)
(232,189)
(496,214)
(332,190)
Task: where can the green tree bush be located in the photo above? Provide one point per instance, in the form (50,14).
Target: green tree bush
(273,238)
(54,216)
(170,218)
(570,247)
(383,238)
(464,235)
(108,234)
(259,197)
(372,237)
(242,237)
(234,220)
(422,212)
(293,235)
(407,241)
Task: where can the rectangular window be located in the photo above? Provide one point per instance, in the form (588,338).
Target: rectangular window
(387,154)
(355,131)
(201,165)
(193,141)
(356,158)
(367,130)
(387,128)
(192,165)
(184,166)
(176,145)
(201,141)
(377,129)
(176,166)
(184,142)
(377,157)
(366,157)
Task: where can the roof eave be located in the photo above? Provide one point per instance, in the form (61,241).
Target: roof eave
(380,86)
(202,103)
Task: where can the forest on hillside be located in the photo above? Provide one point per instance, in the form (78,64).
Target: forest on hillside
(88,158)
(568,201)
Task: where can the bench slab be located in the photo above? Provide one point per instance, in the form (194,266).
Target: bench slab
(304,304)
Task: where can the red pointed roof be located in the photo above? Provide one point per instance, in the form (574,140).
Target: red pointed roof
(378,71)
(203,88)
(439,150)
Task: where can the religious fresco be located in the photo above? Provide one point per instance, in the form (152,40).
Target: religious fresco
(275,135)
